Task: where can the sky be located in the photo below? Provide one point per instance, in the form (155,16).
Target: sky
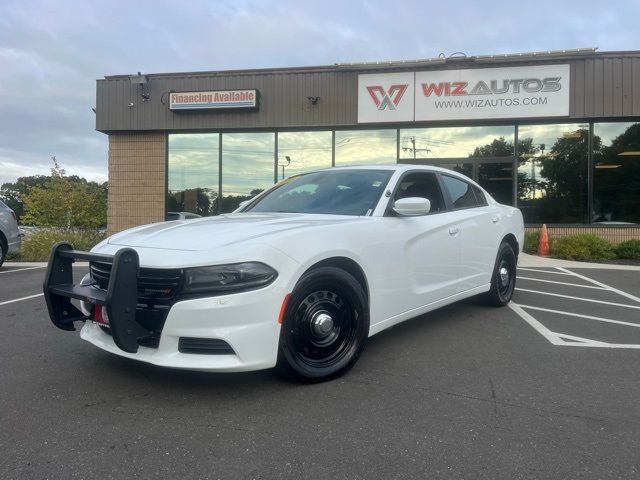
(52,52)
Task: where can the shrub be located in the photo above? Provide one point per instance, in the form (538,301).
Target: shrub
(582,247)
(531,240)
(629,249)
(37,246)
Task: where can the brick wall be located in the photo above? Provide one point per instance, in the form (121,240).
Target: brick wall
(614,234)
(137,164)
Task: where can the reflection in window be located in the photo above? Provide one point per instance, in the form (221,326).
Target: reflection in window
(193,173)
(497,179)
(300,152)
(247,166)
(616,175)
(356,147)
(552,173)
(463,168)
(456,142)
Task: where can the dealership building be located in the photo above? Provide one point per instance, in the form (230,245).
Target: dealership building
(555,133)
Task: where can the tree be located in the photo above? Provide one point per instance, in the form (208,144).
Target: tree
(13,193)
(67,202)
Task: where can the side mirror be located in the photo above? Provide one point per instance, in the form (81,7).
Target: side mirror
(412,206)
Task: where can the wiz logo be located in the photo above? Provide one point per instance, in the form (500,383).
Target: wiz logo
(390,98)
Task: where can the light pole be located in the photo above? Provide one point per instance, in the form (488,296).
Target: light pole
(283,165)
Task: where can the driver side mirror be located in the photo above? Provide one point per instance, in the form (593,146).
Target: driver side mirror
(411,206)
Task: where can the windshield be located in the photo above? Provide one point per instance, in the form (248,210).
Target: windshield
(333,192)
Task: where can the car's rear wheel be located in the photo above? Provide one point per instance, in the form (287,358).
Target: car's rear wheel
(3,251)
(325,327)
(503,279)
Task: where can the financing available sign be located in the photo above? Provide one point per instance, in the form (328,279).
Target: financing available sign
(479,93)
(213,99)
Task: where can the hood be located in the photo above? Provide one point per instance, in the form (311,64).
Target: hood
(220,231)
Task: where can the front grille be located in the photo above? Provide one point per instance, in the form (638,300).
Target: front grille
(204,346)
(155,286)
(157,291)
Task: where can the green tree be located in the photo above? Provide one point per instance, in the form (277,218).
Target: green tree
(13,193)
(67,202)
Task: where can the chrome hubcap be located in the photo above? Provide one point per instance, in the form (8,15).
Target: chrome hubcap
(504,276)
(321,324)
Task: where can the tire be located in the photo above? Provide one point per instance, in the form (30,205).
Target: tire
(503,278)
(325,327)
(3,251)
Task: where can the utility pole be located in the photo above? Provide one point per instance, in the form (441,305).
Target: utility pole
(413,148)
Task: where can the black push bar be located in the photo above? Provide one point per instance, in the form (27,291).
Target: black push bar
(120,298)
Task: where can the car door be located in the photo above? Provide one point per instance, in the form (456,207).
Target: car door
(479,231)
(420,253)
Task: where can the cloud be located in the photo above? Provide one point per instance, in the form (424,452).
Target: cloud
(51,51)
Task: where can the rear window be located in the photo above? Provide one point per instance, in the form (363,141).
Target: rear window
(2,204)
(461,193)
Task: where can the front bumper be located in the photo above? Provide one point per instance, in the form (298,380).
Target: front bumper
(247,321)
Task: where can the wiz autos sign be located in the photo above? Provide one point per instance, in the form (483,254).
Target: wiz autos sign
(215,99)
(483,93)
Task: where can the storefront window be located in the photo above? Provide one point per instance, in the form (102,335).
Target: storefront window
(300,152)
(193,173)
(247,166)
(616,174)
(356,147)
(456,142)
(552,173)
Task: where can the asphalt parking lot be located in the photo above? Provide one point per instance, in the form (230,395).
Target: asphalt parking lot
(546,388)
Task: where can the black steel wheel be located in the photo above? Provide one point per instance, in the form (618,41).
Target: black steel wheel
(503,280)
(325,327)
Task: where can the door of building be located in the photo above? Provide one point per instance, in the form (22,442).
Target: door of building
(496,175)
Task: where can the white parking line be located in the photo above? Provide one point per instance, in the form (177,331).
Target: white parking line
(595,282)
(543,271)
(578,298)
(20,299)
(560,339)
(590,317)
(561,283)
(20,270)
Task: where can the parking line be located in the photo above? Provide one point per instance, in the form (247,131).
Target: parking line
(21,269)
(561,283)
(578,298)
(543,271)
(595,282)
(20,299)
(539,327)
(590,317)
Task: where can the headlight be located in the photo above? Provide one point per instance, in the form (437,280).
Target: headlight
(228,278)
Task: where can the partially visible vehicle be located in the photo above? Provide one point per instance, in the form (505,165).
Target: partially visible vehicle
(181,216)
(10,236)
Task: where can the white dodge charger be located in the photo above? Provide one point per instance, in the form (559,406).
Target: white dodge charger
(297,278)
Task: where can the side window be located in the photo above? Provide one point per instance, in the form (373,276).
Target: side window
(482,200)
(460,192)
(422,184)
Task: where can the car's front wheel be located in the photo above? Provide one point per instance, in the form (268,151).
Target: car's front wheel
(503,279)
(325,327)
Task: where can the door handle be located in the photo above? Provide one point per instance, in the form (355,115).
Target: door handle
(495,219)
(453,231)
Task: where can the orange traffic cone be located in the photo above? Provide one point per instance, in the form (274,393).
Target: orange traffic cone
(543,243)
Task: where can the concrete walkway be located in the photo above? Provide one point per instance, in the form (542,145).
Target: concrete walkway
(526,260)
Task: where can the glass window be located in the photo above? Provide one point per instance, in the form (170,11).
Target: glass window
(356,147)
(423,185)
(552,173)
(497,179)
(193,173)
(460,192)
(616,175)
(300,152)
(247,166)
(334,192)
(456,142)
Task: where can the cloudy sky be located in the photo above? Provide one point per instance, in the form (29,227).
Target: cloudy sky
(51,52)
